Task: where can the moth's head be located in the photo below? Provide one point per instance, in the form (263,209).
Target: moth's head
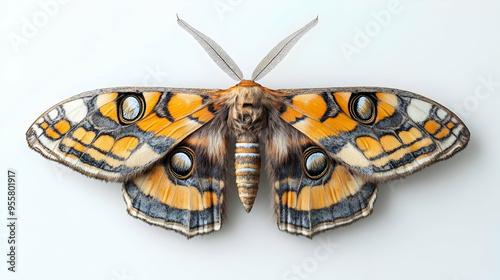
(247,83)
(247,97)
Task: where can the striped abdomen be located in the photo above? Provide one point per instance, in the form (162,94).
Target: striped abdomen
(247,167)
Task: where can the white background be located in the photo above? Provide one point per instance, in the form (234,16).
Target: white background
(441,223)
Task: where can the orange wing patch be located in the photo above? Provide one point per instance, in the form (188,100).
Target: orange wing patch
(386,105)
(432,126)
(410,136)
(84,136)
(437,130)
(203,115)
(62,126)
(389,143)
(442,133)
(425,142)
(153,122)
(52,134)
(342,99)
(107,105)
(309,126)
(289,199)
(73,144)
(305,102)
(151,100)
(104,143)
(370,146)
(57,130)
(181,105)
(341,123)
(290,115)
(124,146)
(179,129)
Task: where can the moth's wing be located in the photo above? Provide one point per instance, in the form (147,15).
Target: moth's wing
(96,134)
(407,133)
(306,204)
(190,205)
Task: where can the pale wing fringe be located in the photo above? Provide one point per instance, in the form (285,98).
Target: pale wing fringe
(218,55)
(280,51)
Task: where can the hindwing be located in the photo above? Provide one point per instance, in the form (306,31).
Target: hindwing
(383,133)
(183,191)
(115,133)
(313,192)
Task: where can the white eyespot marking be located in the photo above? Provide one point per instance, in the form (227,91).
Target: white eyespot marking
(53,114)
(181,163)
(131,108)
(75,110)
(419,110)
(442,114)
(364,108)
(316,164)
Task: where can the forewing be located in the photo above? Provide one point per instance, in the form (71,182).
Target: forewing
(308,205)
(191,205)
(407,133)
(93,133)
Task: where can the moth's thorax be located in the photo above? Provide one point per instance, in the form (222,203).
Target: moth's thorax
(247,112)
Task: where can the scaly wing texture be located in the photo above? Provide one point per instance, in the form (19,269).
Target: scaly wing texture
(309,206)
(191,205)
(89,132)
(408,131)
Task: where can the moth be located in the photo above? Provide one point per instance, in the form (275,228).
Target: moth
(327,149)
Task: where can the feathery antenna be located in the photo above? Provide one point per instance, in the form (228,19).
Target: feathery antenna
(218,55)
(280,51)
